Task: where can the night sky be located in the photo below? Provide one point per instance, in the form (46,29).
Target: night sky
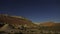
(35,10)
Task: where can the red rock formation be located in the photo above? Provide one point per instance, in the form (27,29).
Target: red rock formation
(14,20)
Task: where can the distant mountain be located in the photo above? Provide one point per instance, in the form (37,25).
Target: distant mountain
(50,24)
(57,24)
(16,20)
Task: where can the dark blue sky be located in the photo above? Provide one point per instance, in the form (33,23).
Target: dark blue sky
(35,10)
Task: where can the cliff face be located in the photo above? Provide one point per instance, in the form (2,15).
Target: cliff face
(18,20)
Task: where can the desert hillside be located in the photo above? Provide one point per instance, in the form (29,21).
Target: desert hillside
(17,20)
(17,24)
(50,24)
(47,24)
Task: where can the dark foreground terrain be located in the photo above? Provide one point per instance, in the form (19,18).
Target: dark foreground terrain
(31,30)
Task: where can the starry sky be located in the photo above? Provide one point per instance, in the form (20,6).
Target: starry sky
(35,10)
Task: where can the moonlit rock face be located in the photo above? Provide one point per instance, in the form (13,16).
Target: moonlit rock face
(10,19)
(12,16)
(17,16)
